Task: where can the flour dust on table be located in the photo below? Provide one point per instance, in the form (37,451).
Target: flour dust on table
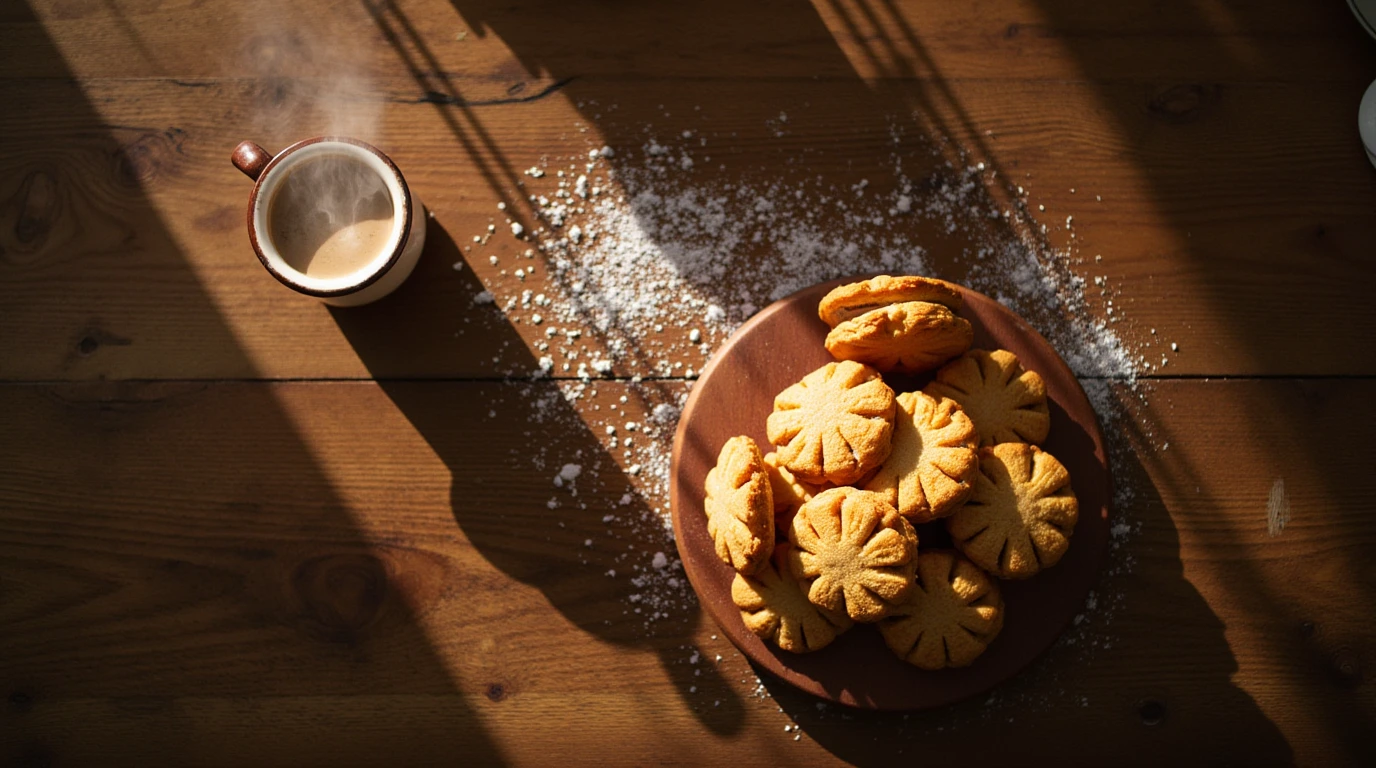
(652,255)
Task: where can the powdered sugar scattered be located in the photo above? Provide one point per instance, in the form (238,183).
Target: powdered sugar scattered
(651,262)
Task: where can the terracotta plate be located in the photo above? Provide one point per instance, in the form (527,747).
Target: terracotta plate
(736,394)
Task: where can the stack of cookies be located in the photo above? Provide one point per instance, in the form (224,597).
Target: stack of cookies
(822,531)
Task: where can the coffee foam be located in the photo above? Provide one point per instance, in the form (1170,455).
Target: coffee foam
(331,216)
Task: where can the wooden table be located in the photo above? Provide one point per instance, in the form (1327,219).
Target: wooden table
(239,529)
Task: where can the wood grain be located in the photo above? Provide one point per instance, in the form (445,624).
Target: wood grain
(1142,40)
(190,564)
(203,562)
(1203,230)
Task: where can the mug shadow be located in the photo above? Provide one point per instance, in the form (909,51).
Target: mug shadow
(586,542)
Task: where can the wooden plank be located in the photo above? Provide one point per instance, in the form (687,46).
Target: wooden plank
(352,573)
(125,255)
(1148,40)
(217,571)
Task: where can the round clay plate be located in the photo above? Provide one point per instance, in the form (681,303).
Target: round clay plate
(735,395)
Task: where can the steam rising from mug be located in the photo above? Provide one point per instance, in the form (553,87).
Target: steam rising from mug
(333,214)
(312,79)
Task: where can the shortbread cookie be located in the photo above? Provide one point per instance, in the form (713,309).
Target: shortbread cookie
(951,615)
(834,425)
(774,606)
(789,493)
(1006,403)
(740,506)
(854,552)
(911,337)
(1021,514)
(931,470)
(855,299)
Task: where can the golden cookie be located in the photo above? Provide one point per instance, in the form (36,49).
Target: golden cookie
(854,552)
(855,299)
(931,470)
(789,492)
(774,606)
(911,337)
(1006,403)
(740,506)
(1021,514)
(834,425)
(951,615)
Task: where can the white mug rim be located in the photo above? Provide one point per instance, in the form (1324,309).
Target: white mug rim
(260,204)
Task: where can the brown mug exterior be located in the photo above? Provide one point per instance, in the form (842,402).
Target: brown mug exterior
(250,158)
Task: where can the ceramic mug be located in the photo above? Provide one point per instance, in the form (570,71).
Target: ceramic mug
(376,275)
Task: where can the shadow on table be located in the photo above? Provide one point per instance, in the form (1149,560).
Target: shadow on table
(179,581)
(1187,706)
(586,544)
(741,64)
(1305,222)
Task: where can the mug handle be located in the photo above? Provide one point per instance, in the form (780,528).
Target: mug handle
(250,158)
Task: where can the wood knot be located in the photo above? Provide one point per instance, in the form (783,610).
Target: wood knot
(155,153)
(1347,667)
(1152,712)
(1012,31)
(93,338)
(37,204)
(274,92)
(496,691)
(340,595)
(1181,103)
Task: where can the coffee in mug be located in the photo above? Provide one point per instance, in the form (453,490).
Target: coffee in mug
(332,218)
